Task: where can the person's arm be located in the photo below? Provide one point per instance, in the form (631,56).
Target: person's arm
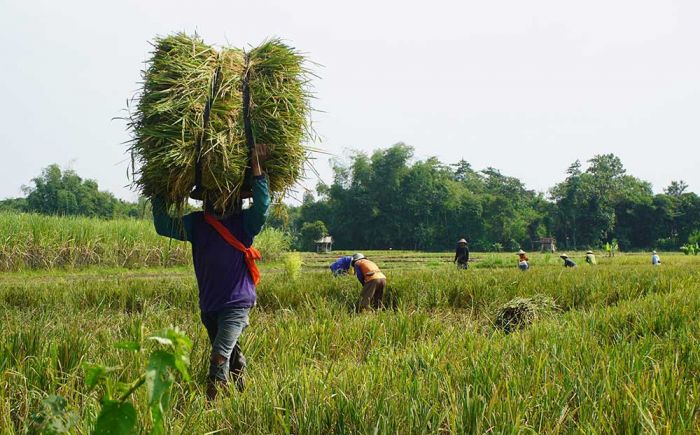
(359,275)
(467,254)
(254,217)
(179,229)
(456,255)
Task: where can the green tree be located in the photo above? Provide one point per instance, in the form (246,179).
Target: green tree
(676,188)
(310,232)
(66,193)
(16,205)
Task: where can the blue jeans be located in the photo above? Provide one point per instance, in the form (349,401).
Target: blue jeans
(224,328)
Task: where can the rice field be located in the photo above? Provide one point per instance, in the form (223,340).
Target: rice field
(619,355)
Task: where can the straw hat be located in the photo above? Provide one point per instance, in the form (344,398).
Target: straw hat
(461,241)
(654,252)
(563,256)
(589,252)
(521,252)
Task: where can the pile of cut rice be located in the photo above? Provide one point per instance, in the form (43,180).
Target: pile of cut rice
(520,312)
(182,76)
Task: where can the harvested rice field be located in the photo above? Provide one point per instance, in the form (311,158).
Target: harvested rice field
(618,353)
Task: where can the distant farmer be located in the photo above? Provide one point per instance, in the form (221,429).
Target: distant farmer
(523,261)
(590,258)
(224,263)
(655,259)
(462,254)
(341,266)
(372,279)
(568,262)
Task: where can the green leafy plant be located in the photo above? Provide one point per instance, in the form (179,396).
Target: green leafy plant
(118,414)
(292,265)
(53,417)
(690,248)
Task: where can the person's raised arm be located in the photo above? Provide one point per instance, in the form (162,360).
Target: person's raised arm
(254,217)
(179,229)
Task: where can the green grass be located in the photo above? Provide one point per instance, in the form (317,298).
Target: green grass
(621,357)
(37,242)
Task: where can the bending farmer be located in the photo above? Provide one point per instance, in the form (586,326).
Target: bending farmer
(568,262)
(372,279)
(224,263)
(341,266)
(590,258)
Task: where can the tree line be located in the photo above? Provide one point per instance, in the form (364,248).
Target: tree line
(387,200)
(65,193)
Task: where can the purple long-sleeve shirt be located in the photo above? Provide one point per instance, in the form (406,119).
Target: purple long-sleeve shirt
(222,274)
(343,263)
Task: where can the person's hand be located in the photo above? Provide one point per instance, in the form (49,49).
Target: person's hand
(259,155)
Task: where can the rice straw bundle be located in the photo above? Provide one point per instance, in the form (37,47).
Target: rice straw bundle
(183,76)
(520,312)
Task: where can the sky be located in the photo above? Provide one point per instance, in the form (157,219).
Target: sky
(526,87)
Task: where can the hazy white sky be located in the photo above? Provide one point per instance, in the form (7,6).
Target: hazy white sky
(524,86)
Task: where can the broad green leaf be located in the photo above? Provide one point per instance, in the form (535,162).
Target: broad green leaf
(173,337)
(94,373)
(181,364)
(162,340)
(158,376)
(128,345)
(159,379)
(116,418)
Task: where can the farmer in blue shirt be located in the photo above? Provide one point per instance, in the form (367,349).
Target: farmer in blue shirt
(568,262)
(341,266)
(225,276)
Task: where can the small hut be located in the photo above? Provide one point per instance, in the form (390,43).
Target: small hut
(548,244)
(324,244)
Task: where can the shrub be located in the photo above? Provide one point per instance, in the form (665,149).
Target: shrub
(272,243)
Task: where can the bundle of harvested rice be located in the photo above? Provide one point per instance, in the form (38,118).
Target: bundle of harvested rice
(192,107)
(521,312)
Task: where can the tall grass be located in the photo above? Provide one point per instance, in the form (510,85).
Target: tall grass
(32,241)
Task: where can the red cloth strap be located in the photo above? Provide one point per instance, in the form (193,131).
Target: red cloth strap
(251,254)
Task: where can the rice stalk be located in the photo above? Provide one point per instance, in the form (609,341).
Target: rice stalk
(169,121)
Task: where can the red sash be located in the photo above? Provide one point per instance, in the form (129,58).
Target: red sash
(251,254)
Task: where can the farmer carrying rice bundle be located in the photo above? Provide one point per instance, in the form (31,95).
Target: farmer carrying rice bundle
(224,264)
(198,129)
(372,279)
